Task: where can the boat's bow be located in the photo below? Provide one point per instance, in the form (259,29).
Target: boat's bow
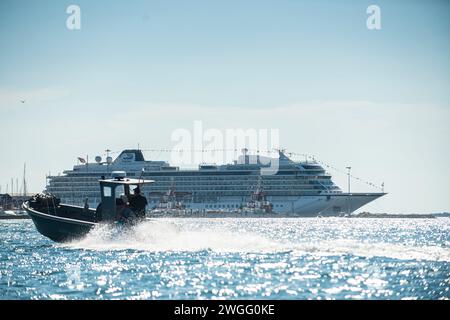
(57,227)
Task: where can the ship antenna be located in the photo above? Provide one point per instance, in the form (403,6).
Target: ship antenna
(142,173)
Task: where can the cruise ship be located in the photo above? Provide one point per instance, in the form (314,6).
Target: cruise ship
(298,188)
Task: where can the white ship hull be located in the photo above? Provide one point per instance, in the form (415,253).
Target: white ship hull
(334,204)
(307,206)
(324,205)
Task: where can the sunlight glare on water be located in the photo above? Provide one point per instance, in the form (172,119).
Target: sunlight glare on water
(283,258)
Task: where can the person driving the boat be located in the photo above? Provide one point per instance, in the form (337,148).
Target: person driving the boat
(138,203)
(124,213)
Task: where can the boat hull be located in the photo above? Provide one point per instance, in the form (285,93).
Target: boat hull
(56,228)
(301,206)
(330,205)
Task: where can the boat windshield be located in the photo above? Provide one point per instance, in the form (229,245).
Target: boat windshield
(119,191)
(107,191)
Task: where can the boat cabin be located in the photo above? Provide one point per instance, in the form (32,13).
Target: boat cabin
(112,191)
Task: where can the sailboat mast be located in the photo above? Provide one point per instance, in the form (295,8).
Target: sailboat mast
(24,180)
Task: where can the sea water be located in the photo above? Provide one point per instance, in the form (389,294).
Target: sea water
(231,258)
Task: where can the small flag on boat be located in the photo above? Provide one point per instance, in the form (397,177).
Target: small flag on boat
(81,160)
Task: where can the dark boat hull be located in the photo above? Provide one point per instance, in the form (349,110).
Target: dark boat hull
(59,229)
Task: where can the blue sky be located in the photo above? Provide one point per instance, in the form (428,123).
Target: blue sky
(137,70)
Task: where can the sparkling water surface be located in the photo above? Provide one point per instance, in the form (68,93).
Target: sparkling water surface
(283,258)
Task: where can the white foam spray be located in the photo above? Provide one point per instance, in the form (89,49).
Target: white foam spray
(183,235)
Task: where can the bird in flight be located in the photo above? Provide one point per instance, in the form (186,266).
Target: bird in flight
(23,101)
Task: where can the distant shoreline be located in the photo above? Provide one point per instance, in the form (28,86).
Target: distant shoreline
(393,215)
(279,215)
(14,217)
(284,215)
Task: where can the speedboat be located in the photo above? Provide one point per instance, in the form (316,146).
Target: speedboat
(64,222)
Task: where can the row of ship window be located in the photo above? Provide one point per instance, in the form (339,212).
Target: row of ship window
(200,178)
(204,187)
(229,206)
(200,190)
(205,183)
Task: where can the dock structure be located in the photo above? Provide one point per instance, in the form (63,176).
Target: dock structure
(14,217)
(11,201)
